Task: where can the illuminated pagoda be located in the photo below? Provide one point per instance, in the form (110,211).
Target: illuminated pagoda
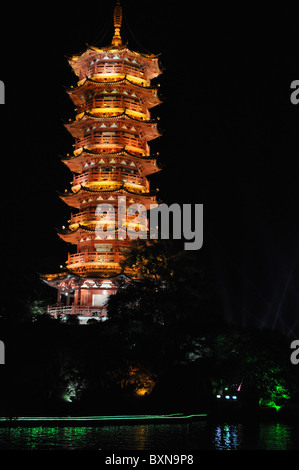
(111,160)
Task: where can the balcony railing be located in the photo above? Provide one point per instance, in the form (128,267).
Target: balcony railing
(117,102)
(93,257)
(111,68)
(92,216)
(119,139)
(75,310)
(96,175)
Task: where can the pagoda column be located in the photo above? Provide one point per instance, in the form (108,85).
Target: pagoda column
(59,296)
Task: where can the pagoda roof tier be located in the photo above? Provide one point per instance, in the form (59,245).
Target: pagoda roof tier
(74,280)
(149,127)
(55,279)
(71,281)
(150,93)
(75,199)
(87,233)
(80,232)
(106,270)
(92,53)
(146,165)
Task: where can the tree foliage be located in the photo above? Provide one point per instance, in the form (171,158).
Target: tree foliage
(168,285)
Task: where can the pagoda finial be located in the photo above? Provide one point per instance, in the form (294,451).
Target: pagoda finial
(117,19)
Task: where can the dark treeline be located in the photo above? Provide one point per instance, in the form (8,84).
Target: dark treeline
(165,347)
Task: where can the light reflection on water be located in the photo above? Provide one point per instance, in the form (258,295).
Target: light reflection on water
(263,436)
(126,437)
(188,436)
(228,436)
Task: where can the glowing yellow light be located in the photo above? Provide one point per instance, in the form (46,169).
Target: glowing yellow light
(141,392)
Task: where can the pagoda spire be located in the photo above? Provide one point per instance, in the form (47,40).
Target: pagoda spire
(117,19)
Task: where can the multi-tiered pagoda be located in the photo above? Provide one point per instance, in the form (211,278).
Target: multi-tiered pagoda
(110,162)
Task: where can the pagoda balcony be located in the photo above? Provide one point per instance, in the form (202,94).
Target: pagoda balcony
(93,257)
(84,311)
(94,176)
(119,140)
(82,217)
(89,216)
(112,67)
(117,102)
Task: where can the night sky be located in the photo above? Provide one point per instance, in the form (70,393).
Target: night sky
(230,137)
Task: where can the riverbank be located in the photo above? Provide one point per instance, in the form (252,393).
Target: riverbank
(98,420)
(261,414)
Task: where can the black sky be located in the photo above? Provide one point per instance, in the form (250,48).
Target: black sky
(230,136)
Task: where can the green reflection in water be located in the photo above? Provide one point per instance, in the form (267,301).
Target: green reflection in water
(47,437)
(193,436)
(110,437)
(275,436)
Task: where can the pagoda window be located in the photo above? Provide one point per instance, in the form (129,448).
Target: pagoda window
(101,248)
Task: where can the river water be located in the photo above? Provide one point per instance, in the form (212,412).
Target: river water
(200,435)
